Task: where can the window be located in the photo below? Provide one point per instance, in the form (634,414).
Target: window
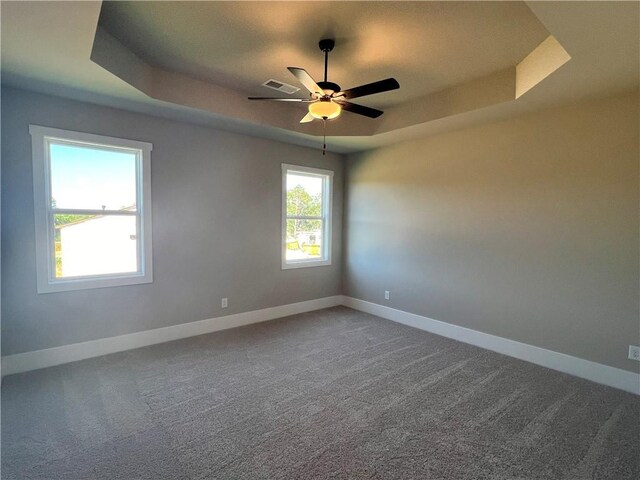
(92,205)
(306,216)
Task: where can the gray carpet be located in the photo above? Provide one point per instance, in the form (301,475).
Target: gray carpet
(328,394)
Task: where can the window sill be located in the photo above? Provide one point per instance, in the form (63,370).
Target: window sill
(305,264)
(85,283)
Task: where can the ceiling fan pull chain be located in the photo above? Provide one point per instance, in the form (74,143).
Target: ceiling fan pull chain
(324,136)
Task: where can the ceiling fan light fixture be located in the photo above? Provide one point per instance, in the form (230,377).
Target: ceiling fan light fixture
(324,109)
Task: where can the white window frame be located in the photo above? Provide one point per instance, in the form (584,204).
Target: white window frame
(41,138)
(326,217)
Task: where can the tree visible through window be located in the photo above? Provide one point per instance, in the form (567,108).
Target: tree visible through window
(307,194)
(302,203)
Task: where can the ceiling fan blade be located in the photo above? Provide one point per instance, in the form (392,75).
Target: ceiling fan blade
(283,99)
(370,89)
(359,109)
(307,118)
(305,79)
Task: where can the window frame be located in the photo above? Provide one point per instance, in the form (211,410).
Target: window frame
(326,217)
(41,138)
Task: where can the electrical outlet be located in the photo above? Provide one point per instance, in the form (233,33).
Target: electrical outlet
(634,353)
(387,294)
(224,303)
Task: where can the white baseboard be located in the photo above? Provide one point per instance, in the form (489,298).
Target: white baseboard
(23,362)
(596,372)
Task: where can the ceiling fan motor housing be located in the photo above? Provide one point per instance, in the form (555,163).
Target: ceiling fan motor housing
(334,87)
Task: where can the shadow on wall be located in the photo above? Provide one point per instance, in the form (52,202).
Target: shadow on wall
(526,229)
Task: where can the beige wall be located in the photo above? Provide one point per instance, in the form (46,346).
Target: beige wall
(526,229)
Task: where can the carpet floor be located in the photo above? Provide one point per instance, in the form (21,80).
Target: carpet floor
(329,394)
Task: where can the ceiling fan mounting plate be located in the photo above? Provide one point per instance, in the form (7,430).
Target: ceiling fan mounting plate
(327,44)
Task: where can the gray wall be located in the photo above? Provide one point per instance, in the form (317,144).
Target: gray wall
(526,229)
(216,228)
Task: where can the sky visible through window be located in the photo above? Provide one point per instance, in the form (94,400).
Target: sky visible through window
(311,184)
(92,178)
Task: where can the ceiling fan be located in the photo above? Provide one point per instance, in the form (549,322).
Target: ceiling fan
(327,99)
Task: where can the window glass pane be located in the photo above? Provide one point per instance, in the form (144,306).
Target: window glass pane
(304,239)
(84,177)
(95,245)
(304,195)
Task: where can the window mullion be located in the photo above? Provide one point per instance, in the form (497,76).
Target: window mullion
(302,217)
(81,211)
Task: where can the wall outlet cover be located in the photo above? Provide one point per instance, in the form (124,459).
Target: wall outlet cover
(387,294)
(224,303)
(634,352)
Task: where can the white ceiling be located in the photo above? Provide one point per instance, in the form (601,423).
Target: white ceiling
(46,46)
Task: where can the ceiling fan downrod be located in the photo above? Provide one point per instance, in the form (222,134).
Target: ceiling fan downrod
(326,45)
